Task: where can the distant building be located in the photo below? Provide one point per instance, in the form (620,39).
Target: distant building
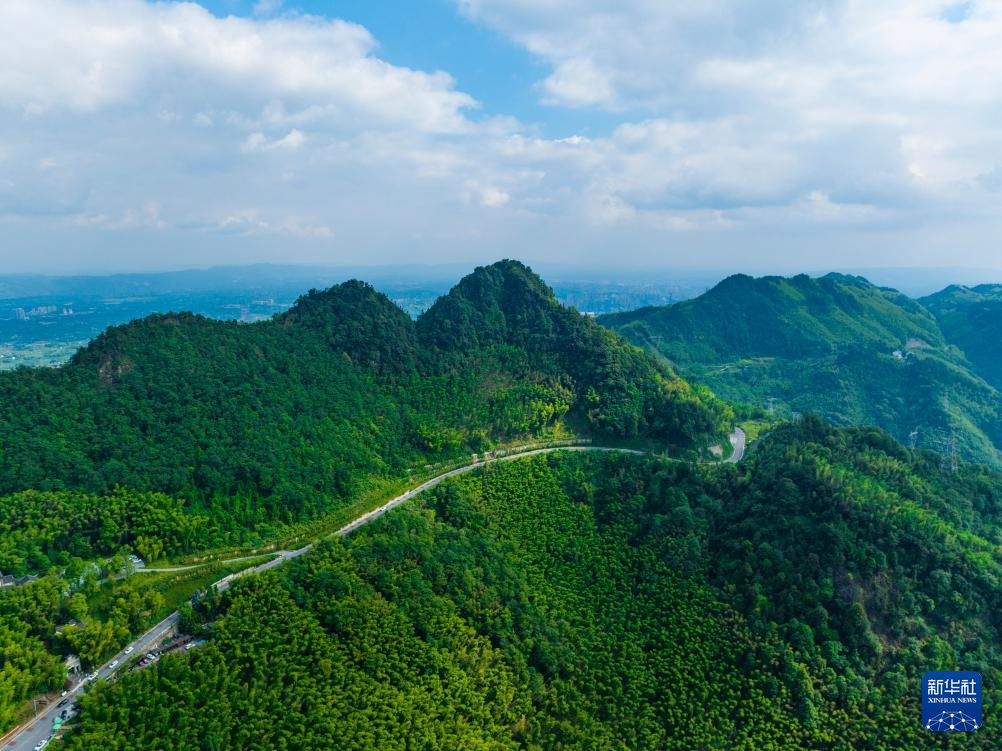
(11,581)
(72,663)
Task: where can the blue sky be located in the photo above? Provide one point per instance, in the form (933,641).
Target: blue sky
(775,136)
(434,35)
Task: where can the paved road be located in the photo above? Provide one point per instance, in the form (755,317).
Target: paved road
(738,442)
(41,726)
(288,555)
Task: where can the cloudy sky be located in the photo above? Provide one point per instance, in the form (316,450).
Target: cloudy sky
(775,135)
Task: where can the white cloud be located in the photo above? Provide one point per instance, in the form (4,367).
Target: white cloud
(721,121)
(148,217)
(62,54)
(579,83)
(488,196)
(258,141)
(267,7)
(251,222)
(242,128)
(758,110)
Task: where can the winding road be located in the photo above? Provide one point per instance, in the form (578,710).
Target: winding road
(40,727)
(737,439)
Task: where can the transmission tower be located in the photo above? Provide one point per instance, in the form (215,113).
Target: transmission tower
(954,456)
(951,455)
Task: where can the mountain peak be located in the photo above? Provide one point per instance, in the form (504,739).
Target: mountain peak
(489,306)
(776,316)
(363,323)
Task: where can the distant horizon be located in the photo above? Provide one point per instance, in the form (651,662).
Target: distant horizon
(915,281)
(451,265)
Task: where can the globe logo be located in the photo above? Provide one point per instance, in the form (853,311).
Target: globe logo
(951,701)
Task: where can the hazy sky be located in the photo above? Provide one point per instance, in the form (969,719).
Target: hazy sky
(772,135)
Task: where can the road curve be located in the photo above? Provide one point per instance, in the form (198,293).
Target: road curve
(738,440)
(288,555)
(40,726)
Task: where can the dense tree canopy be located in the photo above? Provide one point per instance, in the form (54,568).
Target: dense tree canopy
(43,529)
(177,433)
(586,602)
(28,616)
(568,601)
(285,419)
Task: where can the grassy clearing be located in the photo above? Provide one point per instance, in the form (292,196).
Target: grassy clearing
(755,429)
(176,587)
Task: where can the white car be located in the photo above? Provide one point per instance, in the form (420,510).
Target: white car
(92,676)
(129,650)
(113,665)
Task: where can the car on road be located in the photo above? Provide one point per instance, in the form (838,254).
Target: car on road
(92,676)
(62,702)
(113,665)
(129,650)
(42,743)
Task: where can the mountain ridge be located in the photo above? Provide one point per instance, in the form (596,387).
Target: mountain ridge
(836,345)
(223,407)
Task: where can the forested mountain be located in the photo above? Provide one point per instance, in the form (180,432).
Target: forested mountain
(568,601)
(838,346)
(971,318)
(607,602)
(275,422)
(177,433)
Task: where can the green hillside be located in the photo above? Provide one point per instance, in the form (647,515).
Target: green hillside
(279,421)
(176,434)
(971,319)
(607,602)
(779,317)
(568,601)
(837,345)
